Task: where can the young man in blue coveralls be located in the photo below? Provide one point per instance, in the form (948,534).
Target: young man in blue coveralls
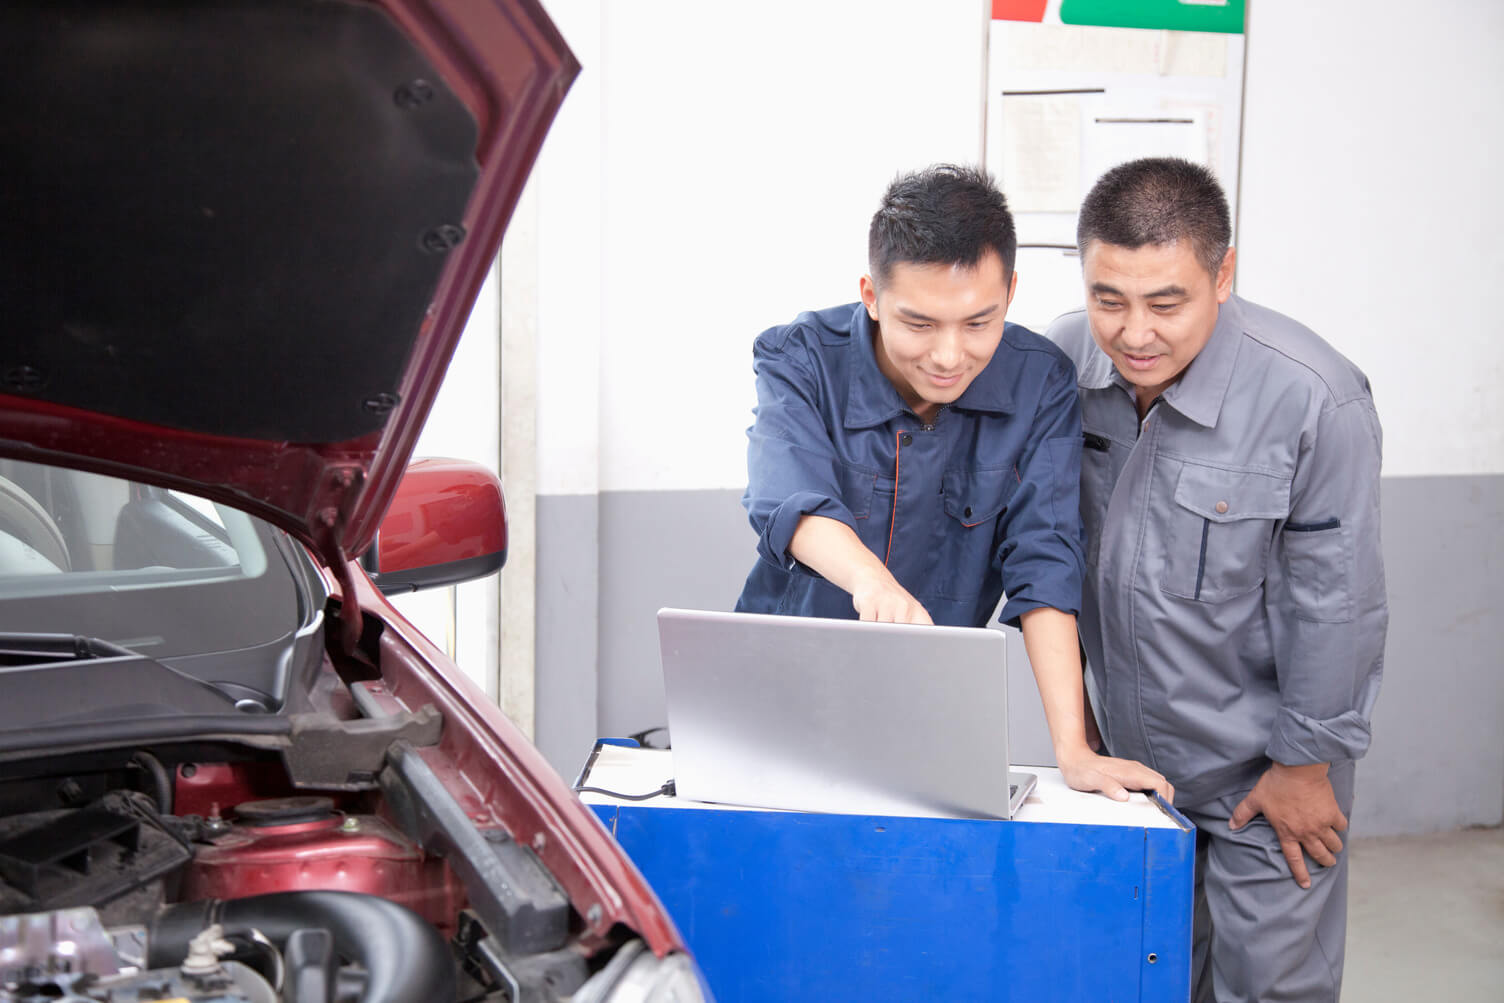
(913,456)
(1234,609)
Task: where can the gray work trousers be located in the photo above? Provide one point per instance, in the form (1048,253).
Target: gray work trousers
(1260,937)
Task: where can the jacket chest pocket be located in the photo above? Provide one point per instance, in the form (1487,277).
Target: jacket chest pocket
(1220,529)
(973,500)
(1097,480)
(869,496)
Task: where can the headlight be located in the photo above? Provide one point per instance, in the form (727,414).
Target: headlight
(635,975)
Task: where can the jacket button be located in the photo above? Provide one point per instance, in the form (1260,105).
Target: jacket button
(905,439)
(966,511)
(1221,508)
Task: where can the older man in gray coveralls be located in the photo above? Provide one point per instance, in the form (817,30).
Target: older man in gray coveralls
(1234,610)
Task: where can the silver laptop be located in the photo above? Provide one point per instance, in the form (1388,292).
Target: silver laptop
(839,716)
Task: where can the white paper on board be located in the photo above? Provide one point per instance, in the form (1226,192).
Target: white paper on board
(1041,152)
(1114,139)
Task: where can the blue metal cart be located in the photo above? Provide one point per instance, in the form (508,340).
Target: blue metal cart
(1078,898)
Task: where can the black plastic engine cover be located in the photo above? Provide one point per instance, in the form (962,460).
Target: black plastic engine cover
(83,856)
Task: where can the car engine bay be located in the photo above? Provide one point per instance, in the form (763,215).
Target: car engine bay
(230,797)
(178,880)
(351,849)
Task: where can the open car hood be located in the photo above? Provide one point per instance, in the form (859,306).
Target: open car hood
(242,237)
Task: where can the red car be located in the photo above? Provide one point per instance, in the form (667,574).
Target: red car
(239,240)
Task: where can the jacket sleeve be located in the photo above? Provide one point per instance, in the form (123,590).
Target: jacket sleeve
(1327,609)
(792,469)
(1040,545)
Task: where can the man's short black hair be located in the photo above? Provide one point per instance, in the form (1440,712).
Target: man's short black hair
(1158,200)
(942,215)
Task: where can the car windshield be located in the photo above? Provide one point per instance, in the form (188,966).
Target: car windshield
(161,572)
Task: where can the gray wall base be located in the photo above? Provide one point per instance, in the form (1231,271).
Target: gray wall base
(606,565)
(567,616)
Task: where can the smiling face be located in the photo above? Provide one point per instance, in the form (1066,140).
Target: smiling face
(937,327)
(1152,309)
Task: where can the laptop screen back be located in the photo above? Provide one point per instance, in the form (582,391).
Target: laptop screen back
(836,715)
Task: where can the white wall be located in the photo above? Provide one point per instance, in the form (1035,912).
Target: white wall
(569,180)
(1372,209)
(711,174)
(713,169)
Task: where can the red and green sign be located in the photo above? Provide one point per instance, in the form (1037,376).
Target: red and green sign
(1176,15)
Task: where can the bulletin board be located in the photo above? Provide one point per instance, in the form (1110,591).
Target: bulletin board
(1077,86)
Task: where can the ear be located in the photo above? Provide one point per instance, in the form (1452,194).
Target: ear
(1224,274)
(869,296)
(1012,289)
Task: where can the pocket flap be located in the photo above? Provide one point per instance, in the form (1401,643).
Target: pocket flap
(857,486)
(973,497)
(1228,495)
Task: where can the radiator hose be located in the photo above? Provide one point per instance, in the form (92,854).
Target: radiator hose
(404,957)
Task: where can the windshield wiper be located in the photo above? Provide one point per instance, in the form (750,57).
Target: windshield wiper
(40,649)
(62,680)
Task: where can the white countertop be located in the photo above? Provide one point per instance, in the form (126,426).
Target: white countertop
(637,771)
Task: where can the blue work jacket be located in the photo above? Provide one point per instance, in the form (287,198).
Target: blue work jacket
(986,498)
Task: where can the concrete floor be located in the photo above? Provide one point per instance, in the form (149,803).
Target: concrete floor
(1426,918)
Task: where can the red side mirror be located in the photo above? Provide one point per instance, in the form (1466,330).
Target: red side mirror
(447,524)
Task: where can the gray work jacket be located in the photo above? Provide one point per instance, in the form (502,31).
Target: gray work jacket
(1234,608)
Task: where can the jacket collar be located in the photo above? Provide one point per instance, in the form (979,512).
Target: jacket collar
(871,399)
(1202,388)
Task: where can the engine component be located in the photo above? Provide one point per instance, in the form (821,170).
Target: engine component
(310,972)
(84,856)
(512,893)
(67,956)
(43,945)
(298,844)
(404,957)
(285,811)
(231,982)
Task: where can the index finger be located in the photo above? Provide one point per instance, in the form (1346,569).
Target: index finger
(908,610)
